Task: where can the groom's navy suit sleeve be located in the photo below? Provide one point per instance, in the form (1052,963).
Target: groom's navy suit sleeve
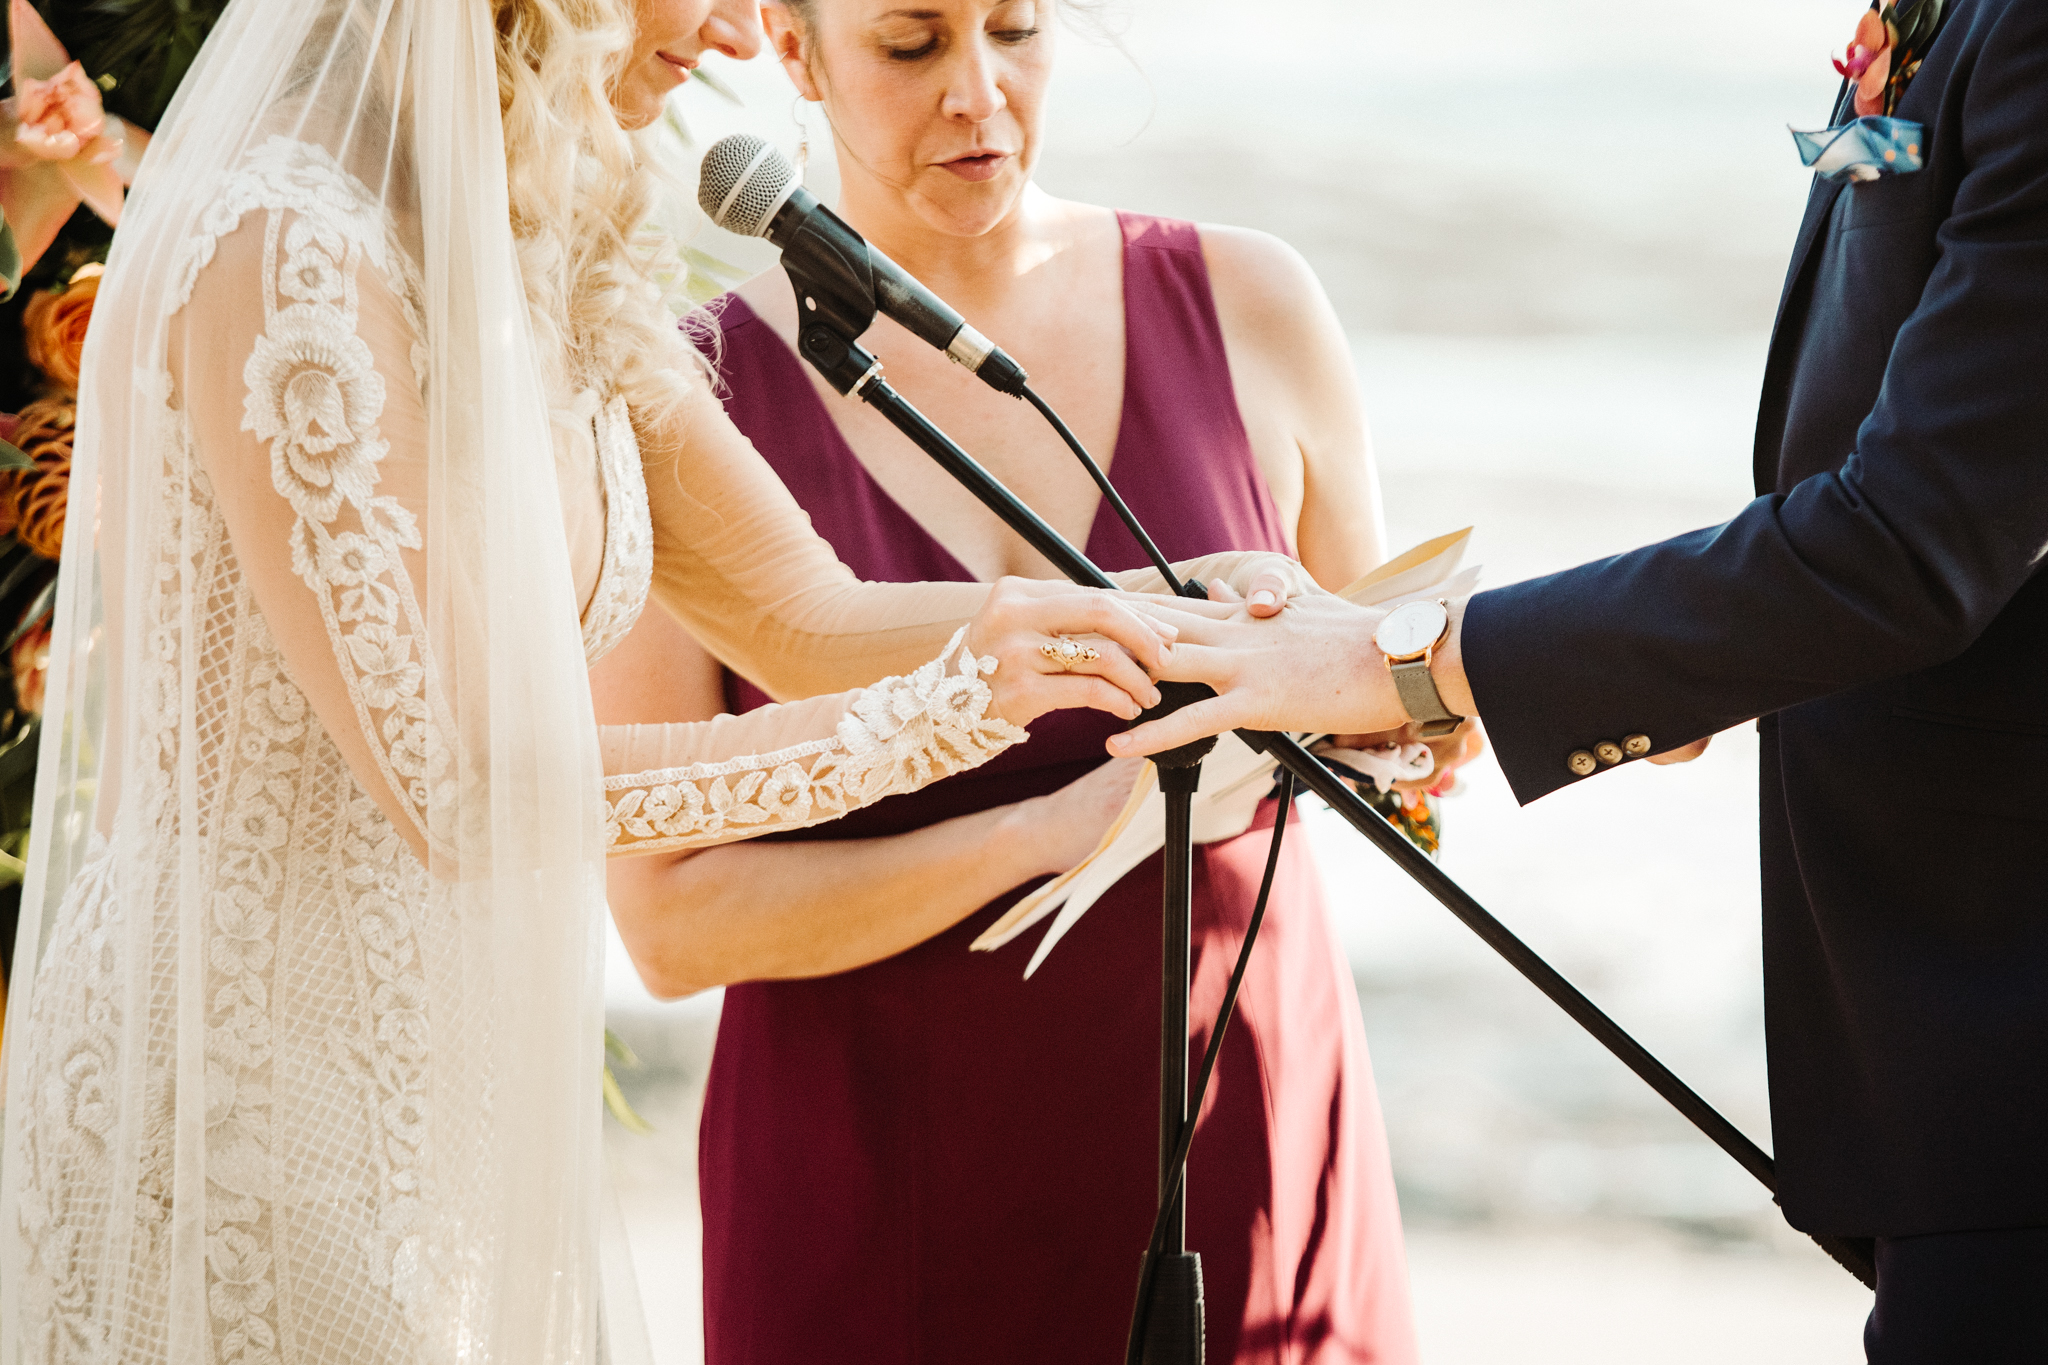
(1876,550)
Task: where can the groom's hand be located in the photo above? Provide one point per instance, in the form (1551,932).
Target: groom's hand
(1686,754)
(1311,666)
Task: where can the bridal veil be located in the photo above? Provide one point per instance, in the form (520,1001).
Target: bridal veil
(409,1170)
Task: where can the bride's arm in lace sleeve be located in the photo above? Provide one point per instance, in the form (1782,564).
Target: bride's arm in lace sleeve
(293,362)
(295,359)
(737,562)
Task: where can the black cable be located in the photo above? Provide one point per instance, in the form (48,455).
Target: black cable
(1124,514)
(1177,1173)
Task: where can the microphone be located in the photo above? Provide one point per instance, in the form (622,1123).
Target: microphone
(747,187)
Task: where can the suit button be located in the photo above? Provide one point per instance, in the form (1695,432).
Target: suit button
(1635,746)
(1608,752)
(1582,763)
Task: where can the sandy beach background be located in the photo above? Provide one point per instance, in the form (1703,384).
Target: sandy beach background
(1556,235)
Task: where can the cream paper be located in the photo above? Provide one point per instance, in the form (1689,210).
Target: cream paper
(1234,778)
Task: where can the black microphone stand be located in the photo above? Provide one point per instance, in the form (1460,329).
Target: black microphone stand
(829,319)
(1173,1312)
(1168,1320)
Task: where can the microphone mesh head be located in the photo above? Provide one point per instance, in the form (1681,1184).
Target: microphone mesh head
(743,181)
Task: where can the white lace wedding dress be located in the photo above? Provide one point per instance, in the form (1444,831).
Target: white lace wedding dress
(304,1032)
(310,1213)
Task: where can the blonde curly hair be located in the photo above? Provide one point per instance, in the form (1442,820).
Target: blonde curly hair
(582,192)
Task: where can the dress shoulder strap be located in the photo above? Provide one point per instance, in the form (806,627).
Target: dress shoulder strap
(755,370)
(1181,426)
(1167,295)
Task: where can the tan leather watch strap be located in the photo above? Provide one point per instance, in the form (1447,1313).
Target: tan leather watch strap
(1422,701)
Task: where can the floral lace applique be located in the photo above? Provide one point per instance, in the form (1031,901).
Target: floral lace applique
(628,568)
(900,734)
(315,396)
(388,1055)
(80,1112)
(253,824)
(291,842)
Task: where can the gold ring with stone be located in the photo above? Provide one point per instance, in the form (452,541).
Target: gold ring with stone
(1066,653)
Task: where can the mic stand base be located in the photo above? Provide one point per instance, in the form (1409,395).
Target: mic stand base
(1173,1324)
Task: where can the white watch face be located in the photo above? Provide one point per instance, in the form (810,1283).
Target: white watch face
(1411,628)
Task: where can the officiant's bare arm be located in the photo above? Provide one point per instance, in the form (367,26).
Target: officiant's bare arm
(1298,397)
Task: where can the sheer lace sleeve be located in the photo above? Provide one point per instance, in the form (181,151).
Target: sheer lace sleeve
(811,761)
(737,562)
(299,367)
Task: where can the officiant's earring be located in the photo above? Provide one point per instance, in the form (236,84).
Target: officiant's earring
(803,136)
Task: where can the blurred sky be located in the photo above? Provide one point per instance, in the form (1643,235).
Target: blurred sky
(1474,168)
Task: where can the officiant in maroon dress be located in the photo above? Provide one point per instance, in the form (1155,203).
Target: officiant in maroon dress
(910,1153)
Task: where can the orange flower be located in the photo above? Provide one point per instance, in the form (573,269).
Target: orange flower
(55,326)
(1868,62)
(30,660)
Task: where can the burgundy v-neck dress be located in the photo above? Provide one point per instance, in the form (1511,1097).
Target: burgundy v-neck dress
(931,1159)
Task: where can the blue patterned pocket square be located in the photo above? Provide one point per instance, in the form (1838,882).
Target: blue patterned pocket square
(1863,150)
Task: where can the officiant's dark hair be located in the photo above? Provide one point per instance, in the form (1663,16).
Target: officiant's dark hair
(1101,18)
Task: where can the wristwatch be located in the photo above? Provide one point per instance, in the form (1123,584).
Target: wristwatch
(1409,635)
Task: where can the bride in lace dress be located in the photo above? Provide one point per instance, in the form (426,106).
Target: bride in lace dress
(382,437)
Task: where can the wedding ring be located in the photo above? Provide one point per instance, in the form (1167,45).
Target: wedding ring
(1066,653)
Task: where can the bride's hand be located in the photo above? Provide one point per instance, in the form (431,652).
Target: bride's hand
(1022,614)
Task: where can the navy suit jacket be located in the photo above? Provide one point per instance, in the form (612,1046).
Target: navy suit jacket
(1883,607)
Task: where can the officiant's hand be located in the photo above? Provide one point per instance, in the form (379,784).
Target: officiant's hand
(1054,832)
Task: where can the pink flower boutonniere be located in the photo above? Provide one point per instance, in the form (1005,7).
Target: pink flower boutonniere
(1885,54)
(1868,62)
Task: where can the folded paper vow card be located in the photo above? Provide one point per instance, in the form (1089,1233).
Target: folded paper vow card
(1234,778)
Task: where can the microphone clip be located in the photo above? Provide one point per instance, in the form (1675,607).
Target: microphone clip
(834,290)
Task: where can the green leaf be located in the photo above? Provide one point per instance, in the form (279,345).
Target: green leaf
(1914,23)
(617,1050)
(615,1100)
(21,571)
(33,617)
(18,758)
(13,457)
(717,86)
(143,46)
(10,270)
